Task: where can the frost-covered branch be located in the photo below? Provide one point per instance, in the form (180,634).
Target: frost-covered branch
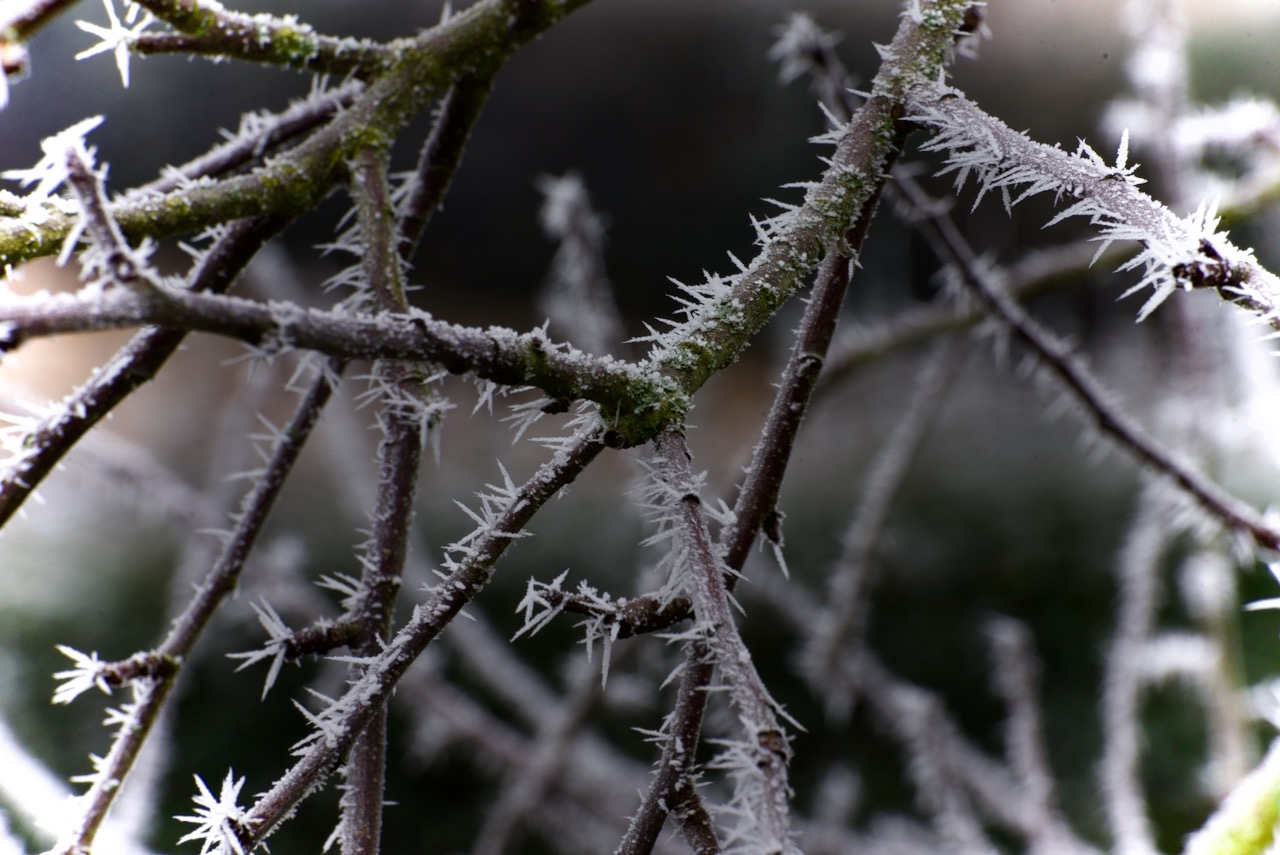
(299,178)
(398,457)
(207,27)
(424,191)
(498,354)
(726,312)
(758,762)
(1178,253)
(258,135)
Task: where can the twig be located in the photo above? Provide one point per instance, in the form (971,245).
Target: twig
(1177,253)
(398,455)
(1057,356)
(759,761)
(259,135)
(210,28)
(441,153)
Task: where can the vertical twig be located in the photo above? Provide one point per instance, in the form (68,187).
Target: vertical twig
(398,454)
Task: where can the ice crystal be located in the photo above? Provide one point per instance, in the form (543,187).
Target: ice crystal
(276,649)
(217,820)
(117,36)
(88,673)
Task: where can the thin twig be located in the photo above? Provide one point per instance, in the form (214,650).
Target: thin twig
(442,152)
(1057,356)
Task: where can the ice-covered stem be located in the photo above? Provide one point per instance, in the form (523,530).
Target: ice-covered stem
(441,153)
(1246,822)
(478,40)
(343,722)
(759,761)
(840,624)
(206,27)
(1080,382)
(1176,252)
(135,364)
(716,331)
(498,354)
(675,775)
(188,627)
(399,455)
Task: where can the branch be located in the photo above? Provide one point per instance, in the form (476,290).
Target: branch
(759,761)
(439,159)
(480,38)
(399,455)
(497,354)
(1056,355)
(1177,253)
(726,312)
(258,135)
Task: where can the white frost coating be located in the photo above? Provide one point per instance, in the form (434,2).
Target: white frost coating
(1176,252)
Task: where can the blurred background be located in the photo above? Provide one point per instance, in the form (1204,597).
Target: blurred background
(672,115)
